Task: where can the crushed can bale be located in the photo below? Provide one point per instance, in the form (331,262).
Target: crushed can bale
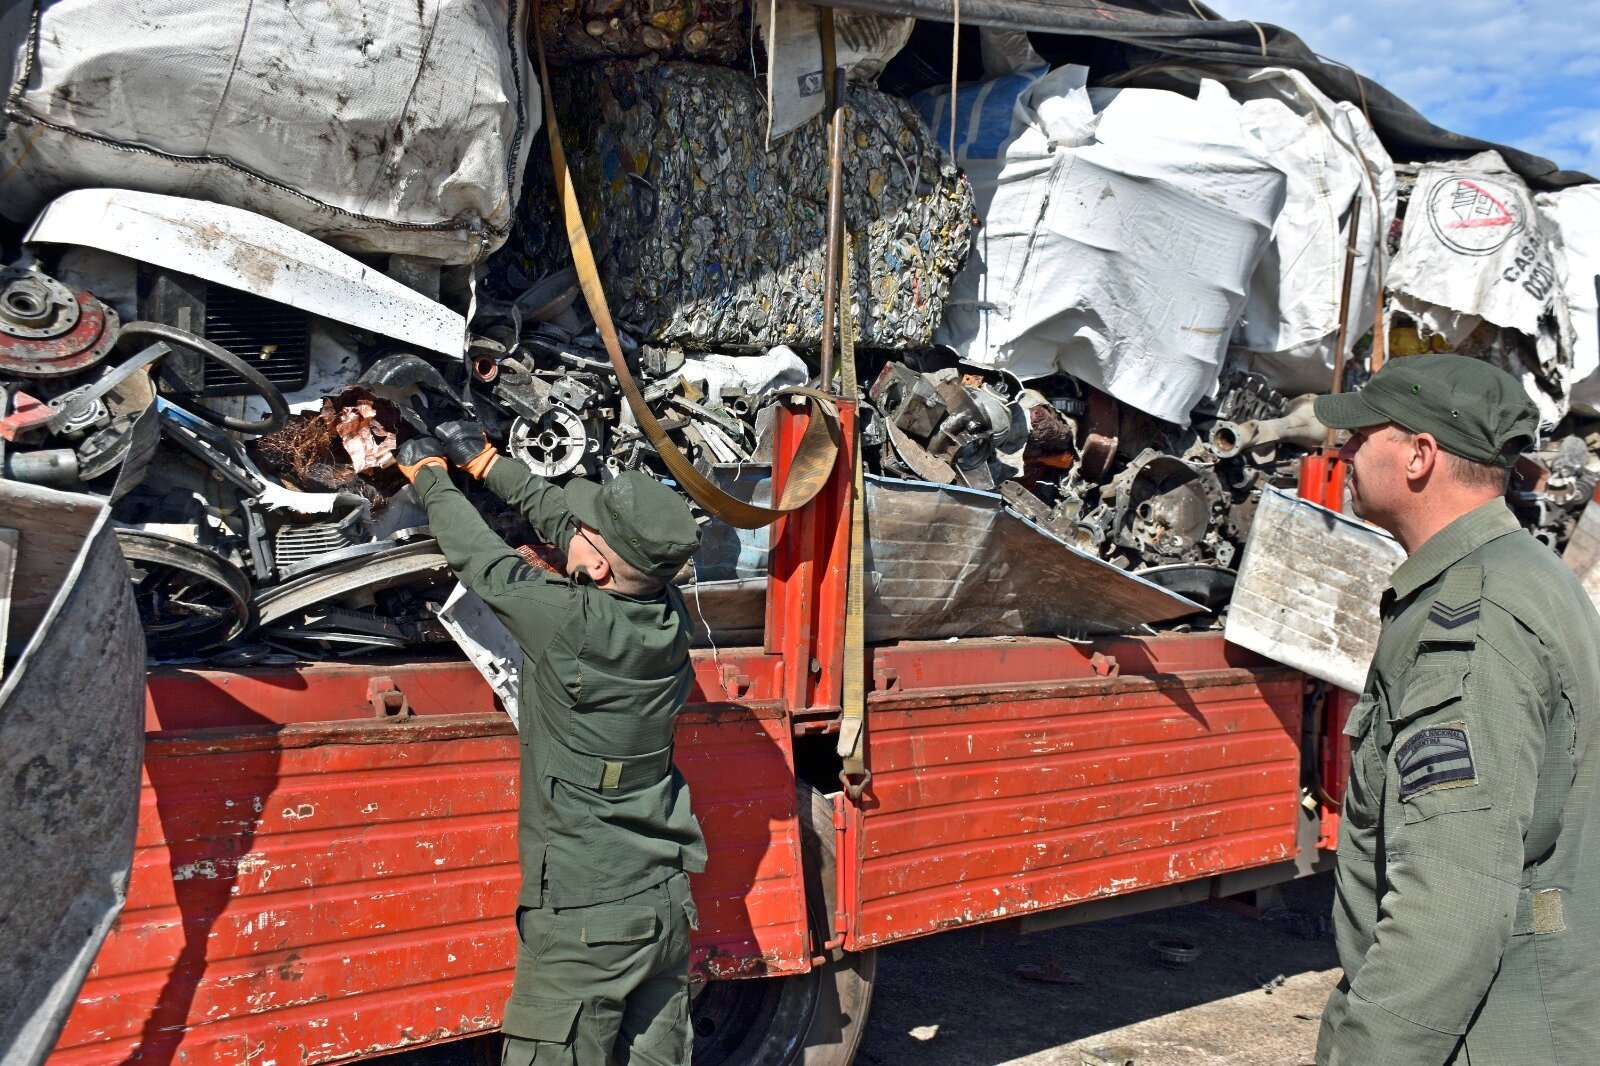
(709,239)
(582,31)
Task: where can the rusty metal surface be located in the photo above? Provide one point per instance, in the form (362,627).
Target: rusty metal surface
(69,758)
(313,892)
(992,801)
(1308,589)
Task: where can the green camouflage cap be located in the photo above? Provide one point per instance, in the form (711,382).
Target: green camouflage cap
(647,523)
(1473,409)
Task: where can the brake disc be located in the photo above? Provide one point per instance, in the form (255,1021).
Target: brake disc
(49,329)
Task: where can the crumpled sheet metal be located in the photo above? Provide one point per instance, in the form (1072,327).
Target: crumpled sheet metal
(69,763)
(1308,589)
(581,31)
(944,561)
(709,239)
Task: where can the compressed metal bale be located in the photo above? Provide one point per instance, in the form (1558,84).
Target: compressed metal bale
(708,238)
(580,31)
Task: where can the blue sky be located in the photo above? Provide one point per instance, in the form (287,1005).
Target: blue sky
(1520,73)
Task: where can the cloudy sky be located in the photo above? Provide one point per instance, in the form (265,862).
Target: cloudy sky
(1520,72)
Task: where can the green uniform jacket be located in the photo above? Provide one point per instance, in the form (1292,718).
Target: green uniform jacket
(604,813)
(1467,913)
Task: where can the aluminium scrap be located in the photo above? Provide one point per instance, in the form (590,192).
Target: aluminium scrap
(709,239)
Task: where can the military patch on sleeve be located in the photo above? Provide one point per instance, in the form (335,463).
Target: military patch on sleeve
(1438,756)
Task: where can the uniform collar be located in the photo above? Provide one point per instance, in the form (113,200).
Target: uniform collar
(1452,544)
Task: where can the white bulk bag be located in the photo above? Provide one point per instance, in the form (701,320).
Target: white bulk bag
(1120,231)
(380,128)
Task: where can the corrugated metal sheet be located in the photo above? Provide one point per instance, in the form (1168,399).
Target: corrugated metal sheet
(1309,586)
(997,800)
(311,892)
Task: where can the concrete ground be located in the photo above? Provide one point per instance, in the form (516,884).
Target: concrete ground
(975,997)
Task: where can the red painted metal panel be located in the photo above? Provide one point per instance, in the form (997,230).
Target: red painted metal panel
(182,698)
(305,893)
(995,800)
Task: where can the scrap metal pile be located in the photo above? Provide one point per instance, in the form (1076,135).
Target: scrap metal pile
(1100,320)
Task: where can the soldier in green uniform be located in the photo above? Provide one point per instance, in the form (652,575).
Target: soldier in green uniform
(1467,915)
(605,831)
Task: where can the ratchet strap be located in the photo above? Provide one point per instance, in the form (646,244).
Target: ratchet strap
(851,749)
(819,446)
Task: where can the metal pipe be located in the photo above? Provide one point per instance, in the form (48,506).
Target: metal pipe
(1344,309)
(833,84)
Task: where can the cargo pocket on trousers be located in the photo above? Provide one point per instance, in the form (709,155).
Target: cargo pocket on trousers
(533,1018)
(619,925)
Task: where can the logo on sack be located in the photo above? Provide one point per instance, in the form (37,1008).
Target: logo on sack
(1474,216)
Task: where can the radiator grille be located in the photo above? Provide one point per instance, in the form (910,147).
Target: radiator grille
(273,338)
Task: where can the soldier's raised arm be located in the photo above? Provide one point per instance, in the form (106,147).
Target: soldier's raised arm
(521,596)
(541,502)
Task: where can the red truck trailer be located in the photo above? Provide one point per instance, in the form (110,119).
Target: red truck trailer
(325,867)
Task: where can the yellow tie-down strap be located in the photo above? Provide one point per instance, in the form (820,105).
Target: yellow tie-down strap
(819,446)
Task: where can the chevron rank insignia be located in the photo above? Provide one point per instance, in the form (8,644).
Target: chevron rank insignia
(1453,614)
(1453,617)
(1436,757)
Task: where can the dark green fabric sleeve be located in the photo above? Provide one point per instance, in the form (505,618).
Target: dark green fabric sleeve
(1468,740)
(541,502)
(530,605)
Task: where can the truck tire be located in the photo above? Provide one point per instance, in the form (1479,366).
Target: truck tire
(815,1018)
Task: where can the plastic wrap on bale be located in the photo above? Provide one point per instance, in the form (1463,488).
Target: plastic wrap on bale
(709,239)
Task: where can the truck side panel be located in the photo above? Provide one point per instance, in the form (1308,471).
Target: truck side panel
(313,891)
(994,800)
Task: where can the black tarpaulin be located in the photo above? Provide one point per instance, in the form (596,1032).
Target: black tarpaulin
(1200,37)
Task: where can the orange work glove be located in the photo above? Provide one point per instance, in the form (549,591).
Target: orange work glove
(417,453)
(468,446)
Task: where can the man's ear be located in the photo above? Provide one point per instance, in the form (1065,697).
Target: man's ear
(600,569)
(1424,459)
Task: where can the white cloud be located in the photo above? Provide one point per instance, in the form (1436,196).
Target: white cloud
(1524,73)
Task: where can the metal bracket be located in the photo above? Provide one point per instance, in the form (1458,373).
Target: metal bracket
(734,683)
(386,698)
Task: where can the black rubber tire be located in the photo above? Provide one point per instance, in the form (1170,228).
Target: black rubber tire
(811,1019)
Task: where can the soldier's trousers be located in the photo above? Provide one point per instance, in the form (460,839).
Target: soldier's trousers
(603,984)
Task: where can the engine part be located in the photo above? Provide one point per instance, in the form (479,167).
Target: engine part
(554,444)
(1298,426)
(298,543)
(1100,436)
(189,597)
(908,400)
(53,467)
(394,565)
(48,329)
(1167,508)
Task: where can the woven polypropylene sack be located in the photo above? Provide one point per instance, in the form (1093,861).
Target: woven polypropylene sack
(400,128)
(707,238)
